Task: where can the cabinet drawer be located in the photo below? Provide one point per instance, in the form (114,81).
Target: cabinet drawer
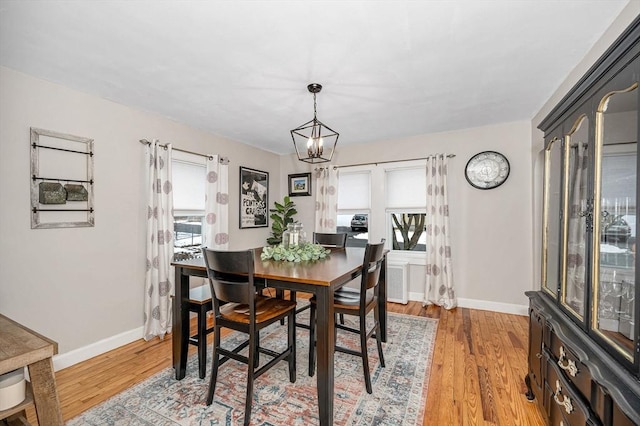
(570,367)
(565,404)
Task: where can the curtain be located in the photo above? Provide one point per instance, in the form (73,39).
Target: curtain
(216,228)
(326,199)
(159,275)
(576,247)
(439,280)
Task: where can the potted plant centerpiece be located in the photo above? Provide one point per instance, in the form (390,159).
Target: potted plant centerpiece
(282,218)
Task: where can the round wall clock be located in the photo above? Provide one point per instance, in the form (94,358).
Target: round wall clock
(487,170)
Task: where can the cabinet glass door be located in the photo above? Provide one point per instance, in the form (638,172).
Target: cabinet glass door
(577,206)
(615,215)
(551,217)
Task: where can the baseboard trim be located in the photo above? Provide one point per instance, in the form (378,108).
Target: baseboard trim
(84,353)
(483,305)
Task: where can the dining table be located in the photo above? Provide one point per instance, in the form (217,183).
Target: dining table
(320,277)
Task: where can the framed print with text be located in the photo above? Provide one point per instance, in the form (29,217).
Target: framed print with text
(254,198)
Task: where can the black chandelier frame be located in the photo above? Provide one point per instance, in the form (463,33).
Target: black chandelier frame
(314,136)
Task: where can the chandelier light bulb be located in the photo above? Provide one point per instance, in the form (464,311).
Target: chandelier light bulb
(314,146)
(310,149)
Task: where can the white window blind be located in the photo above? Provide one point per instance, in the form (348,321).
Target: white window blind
(354,191)
(188,186)
(406,188)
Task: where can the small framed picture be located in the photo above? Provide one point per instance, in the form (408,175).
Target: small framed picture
(254,198)
(299,184)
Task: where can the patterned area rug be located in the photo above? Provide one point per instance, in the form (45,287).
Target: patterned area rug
(399,389)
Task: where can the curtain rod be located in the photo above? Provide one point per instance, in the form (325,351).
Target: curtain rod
(389,161)
(223,160)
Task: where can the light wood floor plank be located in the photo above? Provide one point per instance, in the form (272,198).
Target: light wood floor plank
(436,372)
(447,406)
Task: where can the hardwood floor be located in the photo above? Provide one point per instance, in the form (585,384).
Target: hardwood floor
(476,378)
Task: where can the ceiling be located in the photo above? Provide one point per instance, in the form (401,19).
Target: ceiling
(240,69)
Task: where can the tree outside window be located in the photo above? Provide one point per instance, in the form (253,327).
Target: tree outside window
(407,231)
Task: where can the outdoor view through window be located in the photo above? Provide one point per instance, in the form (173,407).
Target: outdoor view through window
(187,237)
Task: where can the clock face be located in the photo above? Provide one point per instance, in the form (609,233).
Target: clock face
(486,170)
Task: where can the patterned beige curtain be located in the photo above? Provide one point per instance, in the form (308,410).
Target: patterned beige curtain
(216,232)
(439,283)
(159,275)
(326,199)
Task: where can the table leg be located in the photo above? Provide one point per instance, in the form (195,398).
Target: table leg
(325,346)
(180,330)
(45,394)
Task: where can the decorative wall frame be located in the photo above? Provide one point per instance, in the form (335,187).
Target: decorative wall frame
(300,184)
(57,159)
(254,198)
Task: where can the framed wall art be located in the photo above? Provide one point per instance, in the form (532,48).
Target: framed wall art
(254,198)
(300,184)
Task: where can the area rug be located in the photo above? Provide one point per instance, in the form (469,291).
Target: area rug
(399,389)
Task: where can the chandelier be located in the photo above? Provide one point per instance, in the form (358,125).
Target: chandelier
(311,138)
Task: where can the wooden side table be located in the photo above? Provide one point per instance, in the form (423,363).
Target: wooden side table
(21,347)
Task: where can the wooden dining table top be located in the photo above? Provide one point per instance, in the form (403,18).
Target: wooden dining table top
(339,265)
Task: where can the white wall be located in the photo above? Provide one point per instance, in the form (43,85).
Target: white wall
(79,286)
(491,229)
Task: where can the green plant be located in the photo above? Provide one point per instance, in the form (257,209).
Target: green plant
(281,216)
(306,251)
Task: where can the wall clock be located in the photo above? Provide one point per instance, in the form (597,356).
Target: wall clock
(487,170)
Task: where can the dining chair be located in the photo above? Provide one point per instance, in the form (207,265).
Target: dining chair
(200,303)
(338,240)
(237,306)
(359,303)
(328,240)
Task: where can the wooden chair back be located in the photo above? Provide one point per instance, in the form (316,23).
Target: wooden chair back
(371,267)
(230,276)
(338,240)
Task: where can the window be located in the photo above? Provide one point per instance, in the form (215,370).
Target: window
(406,201)
(385,201)
(354,205)
(189,173)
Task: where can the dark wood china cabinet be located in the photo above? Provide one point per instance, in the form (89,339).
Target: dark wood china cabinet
(584,344)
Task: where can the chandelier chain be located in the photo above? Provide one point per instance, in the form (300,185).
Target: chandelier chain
(315,113)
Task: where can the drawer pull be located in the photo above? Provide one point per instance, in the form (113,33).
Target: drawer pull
(566,401)
(570,366)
